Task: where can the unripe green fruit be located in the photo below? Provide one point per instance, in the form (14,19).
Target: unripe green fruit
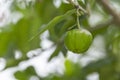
(78,40)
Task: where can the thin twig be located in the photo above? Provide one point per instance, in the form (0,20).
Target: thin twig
(77,6)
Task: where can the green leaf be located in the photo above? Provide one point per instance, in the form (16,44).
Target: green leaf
(23,31)
(58,31)
(97,65)
(69,66)
(46,10)
(53,22)
(72,71)
(5,39)
(6,42)
(56,51)
(65,7)
(25,75)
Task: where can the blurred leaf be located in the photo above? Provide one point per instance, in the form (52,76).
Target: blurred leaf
(92,3)
(116,1)
(97,65)
(116,45)
(56,52)
(5,41)
(64,7)
(109,35)
(46,10)
(72,70)
(24,30)
(99,30)
(25,75)
(64,50)
(116,50)
(69,67)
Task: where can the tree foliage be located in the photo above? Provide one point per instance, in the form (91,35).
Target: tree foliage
(42,15)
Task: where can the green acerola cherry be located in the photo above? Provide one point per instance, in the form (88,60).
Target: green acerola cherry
(78,40)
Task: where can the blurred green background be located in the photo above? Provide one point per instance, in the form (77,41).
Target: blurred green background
(32,28)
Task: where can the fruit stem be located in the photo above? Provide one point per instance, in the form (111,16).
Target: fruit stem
(78,22)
